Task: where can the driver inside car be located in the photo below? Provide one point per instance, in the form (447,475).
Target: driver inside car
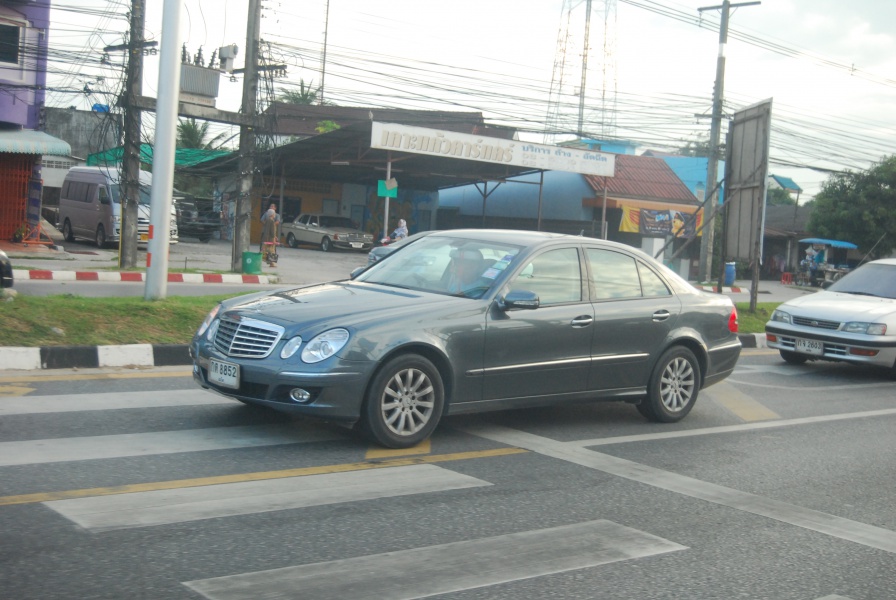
(465,270)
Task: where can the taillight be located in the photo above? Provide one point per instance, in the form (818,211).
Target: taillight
(732,321)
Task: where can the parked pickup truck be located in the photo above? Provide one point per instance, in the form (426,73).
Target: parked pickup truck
(326,232)
(196,217)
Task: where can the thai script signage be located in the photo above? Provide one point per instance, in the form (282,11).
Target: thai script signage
(450,144)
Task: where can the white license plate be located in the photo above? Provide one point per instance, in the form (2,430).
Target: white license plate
(809,347)
(223,373)
(357,245)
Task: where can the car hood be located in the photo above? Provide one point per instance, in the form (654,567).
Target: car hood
(837,306)
(342,304)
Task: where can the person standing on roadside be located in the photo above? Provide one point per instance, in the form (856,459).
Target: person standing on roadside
(270,221)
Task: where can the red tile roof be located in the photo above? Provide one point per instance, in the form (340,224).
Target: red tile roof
(643,178)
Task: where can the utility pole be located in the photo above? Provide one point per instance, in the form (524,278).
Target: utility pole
(709,212)
(247,138)
(585,51)
(130,160)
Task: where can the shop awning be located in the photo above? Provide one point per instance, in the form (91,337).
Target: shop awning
(26,141)
(831,243)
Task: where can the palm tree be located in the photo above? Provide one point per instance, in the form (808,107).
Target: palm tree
(305,95)
(191,134)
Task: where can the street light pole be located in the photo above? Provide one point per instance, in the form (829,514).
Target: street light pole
(712,167)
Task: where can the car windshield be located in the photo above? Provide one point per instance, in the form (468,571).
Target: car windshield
(143,199)
(327,221)
(870,280)
(444,264)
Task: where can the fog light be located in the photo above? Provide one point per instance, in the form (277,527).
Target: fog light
(862,352)
(771,337)
(299,395)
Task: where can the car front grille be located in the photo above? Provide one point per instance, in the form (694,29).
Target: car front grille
(247,338)
(805,322)
(355,237)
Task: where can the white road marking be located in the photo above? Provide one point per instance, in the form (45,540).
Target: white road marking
(667,435)
(111,401)
(161,442)
(160,507)
(846,529)
(446,568)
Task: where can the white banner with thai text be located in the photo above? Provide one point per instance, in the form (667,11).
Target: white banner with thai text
(450,144)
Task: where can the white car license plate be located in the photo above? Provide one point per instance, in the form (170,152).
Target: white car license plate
(223,373)
(809,347)
(357,245)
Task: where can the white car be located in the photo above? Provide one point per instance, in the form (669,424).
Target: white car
(326,232)
(853,320)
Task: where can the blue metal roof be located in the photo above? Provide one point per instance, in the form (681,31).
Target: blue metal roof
(832,243)
(787,183)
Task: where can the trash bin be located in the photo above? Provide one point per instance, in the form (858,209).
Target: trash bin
(729,273)
(252,263)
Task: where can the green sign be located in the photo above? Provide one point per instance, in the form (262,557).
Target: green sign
(384,191)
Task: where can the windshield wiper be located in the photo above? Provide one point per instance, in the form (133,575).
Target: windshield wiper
(862,294)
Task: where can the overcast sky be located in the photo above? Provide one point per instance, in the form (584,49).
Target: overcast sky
(828,65)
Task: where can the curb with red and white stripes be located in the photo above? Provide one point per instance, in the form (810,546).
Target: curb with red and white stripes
(139,276)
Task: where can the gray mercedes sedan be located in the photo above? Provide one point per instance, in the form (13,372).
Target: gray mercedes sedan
(462,321)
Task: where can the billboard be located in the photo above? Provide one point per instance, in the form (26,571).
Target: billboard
(746,177)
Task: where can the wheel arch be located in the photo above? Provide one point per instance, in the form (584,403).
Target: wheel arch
(697,348)
(434,355)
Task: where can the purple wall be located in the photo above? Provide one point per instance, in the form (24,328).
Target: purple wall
(22,106)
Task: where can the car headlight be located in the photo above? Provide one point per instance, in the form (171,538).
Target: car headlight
(116,219)
(781,317)
(325,345)
(290,347)
(208,320)
(867,328)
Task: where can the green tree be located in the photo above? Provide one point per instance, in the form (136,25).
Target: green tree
(779,197)
(305,95)
(860,208)
(191,134)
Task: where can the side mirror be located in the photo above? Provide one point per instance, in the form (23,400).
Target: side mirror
(826,284)
(357,271)
(520,299)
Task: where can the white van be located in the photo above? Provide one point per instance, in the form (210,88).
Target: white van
(90,206)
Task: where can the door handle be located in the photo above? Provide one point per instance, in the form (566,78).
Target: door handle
(661,315)
(583,321)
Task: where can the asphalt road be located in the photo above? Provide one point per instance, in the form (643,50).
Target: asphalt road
(137,484)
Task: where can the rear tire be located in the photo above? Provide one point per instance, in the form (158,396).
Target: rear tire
(100,236)
(67,234)
(205,238)
(673,387)
(793,358)
(325,244)
(291,241)
(404,402)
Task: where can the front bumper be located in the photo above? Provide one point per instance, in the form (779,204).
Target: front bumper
(359,246)
(859,349)
(336,389)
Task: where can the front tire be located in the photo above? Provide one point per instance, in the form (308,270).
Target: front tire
(325,244)
(673,387)
(793,358)
(404,402)
(67,234)
(100,236)
(292,241)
